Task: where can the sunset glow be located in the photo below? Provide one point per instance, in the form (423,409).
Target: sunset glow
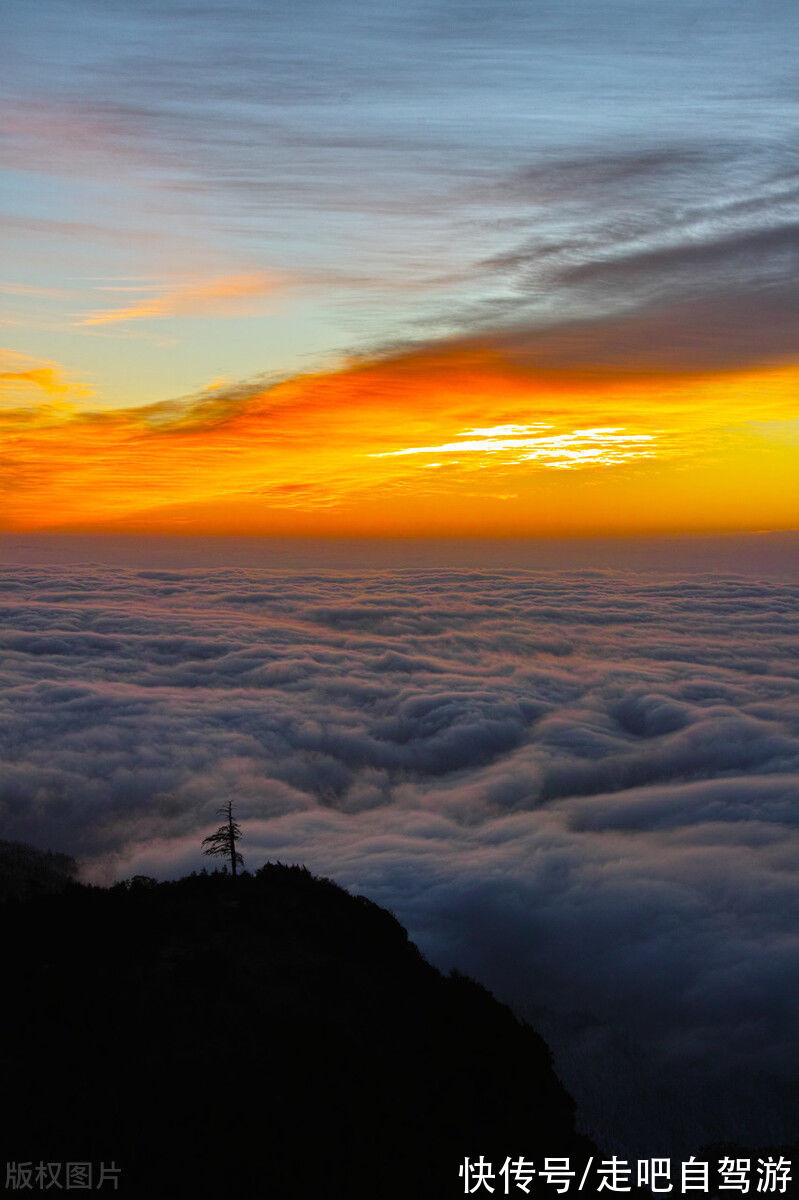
(233,310)
(392,445)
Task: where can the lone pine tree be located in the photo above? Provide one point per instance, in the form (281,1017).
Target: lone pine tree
(223,841)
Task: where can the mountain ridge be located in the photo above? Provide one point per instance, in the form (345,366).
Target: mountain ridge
(268,1032)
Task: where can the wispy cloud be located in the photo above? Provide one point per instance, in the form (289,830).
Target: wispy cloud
(224,296)
(8,288)
(515,444)
(23,379)
(158,121)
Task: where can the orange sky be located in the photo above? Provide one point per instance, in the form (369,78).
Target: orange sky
(449,441)
(584,228)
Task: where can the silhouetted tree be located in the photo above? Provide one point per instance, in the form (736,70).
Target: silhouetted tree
(223,842)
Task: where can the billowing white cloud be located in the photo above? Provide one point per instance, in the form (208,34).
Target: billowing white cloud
(579,786)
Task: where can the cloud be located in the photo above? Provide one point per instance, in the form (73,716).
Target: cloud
(724,332)
(616,195)
(519,443)
(46,378)
(579,786)
(23,380)
(679,251)
(23,289)
(737,260)
(12,225)
(212,298)
(348,450)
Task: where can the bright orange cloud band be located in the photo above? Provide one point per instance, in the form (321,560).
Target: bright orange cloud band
(458,442)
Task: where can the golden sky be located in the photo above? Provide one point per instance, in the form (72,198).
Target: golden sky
(453,441)
(490,272)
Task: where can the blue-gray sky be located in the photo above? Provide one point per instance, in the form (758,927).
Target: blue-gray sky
(402,171)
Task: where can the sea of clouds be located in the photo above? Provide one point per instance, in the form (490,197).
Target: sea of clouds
(579,786)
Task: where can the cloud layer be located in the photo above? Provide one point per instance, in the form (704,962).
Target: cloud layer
(579,786)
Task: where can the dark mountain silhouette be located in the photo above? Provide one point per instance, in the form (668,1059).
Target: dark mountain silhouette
(25,871)
(272,1036)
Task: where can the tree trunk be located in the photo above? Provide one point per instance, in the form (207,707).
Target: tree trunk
(232,839)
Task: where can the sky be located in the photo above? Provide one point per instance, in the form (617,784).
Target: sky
(459,342)
(444,269)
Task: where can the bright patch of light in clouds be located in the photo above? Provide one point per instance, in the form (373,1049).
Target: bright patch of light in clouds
(527,443)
